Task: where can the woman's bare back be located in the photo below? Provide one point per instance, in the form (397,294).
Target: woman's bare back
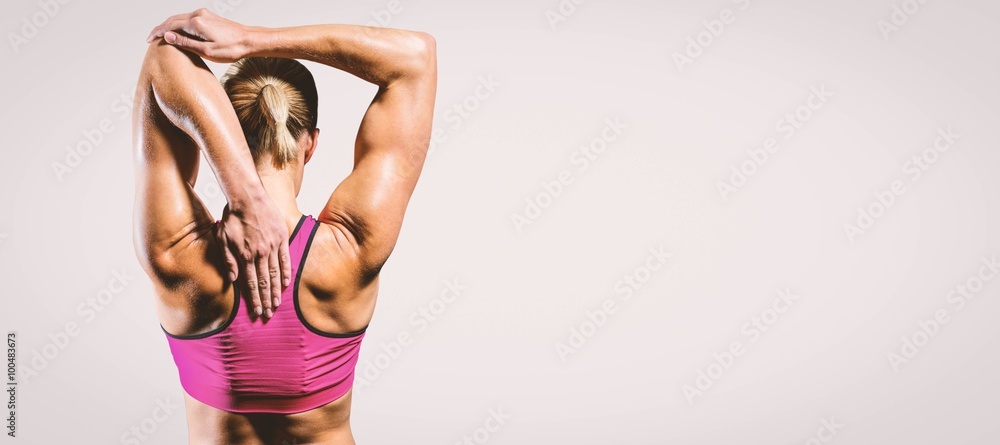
(332,298)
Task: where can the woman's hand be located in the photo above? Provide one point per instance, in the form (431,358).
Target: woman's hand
(207,35)
(254,239)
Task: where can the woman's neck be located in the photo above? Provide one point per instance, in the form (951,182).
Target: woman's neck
(281,187)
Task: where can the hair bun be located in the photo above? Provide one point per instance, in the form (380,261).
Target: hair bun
(275,104)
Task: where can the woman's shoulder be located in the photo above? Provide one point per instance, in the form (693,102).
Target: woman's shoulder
(331,262)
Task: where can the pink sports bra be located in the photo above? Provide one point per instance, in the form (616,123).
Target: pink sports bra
(283,365)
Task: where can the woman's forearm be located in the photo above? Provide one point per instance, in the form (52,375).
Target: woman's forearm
(192,99)
(377,55)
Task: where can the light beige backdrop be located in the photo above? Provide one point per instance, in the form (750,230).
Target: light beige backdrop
(642,222)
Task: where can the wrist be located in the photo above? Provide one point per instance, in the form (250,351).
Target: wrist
(246,198)
(258,40)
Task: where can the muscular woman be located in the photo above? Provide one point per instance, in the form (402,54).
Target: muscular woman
(265,309)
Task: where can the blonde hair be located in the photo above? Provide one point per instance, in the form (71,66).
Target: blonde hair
(275,101)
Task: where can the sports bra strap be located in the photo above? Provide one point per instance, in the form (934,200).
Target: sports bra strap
(299,242)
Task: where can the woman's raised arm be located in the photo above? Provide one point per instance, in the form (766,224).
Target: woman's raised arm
(180,108)
(367,207)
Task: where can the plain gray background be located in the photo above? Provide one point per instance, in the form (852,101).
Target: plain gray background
(63,238)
